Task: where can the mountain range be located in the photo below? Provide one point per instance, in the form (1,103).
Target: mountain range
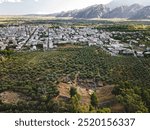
(95,11)
(123,11)
(130,11)
(117,3)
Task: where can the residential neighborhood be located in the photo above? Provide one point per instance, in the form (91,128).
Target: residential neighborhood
(32,38)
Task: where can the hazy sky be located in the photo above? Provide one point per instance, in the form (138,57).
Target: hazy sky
(14,7)
(10,7)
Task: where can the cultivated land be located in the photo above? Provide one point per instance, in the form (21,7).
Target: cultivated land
(51,65)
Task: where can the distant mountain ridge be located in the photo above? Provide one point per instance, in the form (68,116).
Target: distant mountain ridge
(134,11)
(95,11)
(123,11)
(117,3)
(144,13)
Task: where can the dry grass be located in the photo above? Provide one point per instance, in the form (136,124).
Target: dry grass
(105,93)
(9,97)
(64,90)
(85,96)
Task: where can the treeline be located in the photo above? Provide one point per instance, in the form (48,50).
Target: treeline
(124,28)
(134,98)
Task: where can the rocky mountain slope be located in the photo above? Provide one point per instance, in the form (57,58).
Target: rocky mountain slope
(144,13)
(123,11)
(95,11)
(117,3)
(134,11)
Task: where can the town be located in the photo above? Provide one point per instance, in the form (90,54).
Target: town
(32,38)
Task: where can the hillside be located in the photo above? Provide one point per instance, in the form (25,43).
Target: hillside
(143,13)
(36,80)
(117,3)
(123,11)
(133,11)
